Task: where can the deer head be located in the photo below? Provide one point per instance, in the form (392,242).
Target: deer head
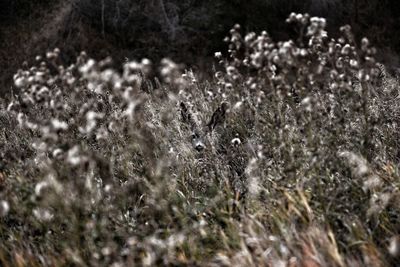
(199,132)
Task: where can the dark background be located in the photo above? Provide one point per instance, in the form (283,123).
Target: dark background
(188,31)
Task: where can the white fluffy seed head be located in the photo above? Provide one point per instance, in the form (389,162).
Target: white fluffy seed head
(4,208)
(236,141)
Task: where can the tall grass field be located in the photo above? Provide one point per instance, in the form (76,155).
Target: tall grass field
(287,155)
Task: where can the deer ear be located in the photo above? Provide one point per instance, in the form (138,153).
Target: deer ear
(225,106)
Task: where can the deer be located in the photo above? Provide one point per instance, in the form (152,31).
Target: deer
(231,153)
(217,118)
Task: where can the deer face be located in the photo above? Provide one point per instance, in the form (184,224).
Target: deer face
(197,141)
(198,131)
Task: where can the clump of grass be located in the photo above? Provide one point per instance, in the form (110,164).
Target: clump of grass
(99,168)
